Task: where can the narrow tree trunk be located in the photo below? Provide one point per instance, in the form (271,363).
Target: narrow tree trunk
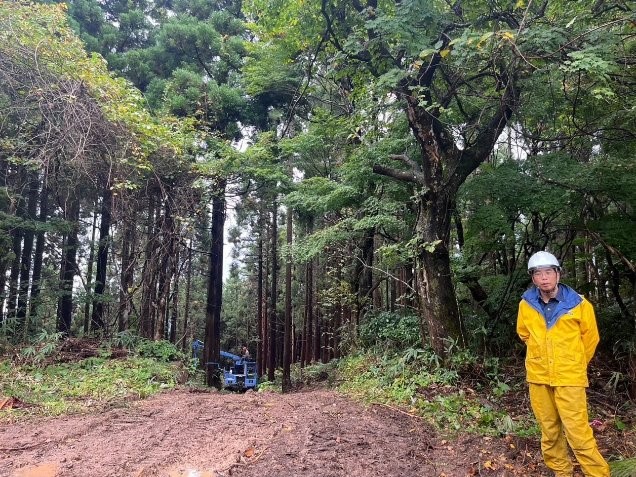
(376,286)
(38,256)
(272,318)
(27,250)
(308,326)
(337,313)
(262,335)
(393,294)
(187,327)
(166,256)
(326,339)
(68,268)
(149,276)
(175,296)
(364,273)
(89,275)
(317,318)
(266,307)
(212,344)
(14,274)
(17,234)
(287,332)
(102,259)
(4,262)
(3,286)
(459,229)
(127,274)
(409,301)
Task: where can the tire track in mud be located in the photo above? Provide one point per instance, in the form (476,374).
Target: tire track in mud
(334,437)
(317,433)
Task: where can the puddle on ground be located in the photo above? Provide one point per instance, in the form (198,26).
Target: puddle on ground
(41,470)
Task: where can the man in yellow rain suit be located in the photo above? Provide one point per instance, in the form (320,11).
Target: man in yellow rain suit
(559,329)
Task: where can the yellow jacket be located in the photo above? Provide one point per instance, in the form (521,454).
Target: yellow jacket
(558,353)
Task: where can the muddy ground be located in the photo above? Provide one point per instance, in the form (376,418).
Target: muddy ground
(317,433)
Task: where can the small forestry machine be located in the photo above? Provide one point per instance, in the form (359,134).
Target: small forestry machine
(239,373)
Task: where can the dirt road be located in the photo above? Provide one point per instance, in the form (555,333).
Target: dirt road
(316,433)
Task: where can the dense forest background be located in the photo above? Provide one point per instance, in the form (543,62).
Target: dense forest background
(389,164)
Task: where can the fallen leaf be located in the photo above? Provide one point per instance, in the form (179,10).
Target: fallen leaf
(490,465)
(249,452)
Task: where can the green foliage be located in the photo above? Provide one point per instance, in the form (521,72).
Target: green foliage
(45,344)
(39,37)
(571,188)
(268,73)
(415,380)
(276,385)
(90,383)
(313,245)
(387,330)
(316,373)
(162,351)
(126,339)
(623,468)
(238,313)
(270,386)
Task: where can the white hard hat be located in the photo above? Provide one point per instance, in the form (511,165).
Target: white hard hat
(543,260)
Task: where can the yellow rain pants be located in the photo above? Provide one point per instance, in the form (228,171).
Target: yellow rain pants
(562,414)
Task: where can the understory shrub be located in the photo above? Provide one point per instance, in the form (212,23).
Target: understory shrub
(390,331)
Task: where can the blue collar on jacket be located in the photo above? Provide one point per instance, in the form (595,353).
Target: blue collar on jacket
(567,299)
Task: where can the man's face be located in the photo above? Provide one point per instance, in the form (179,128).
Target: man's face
(545,279)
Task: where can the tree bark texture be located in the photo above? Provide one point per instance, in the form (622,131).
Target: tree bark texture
(126,274)
(105,220)
(149,276)
(262,334)
(212,343)
(308,328)
(287,331)
(89,274)
(27,248)
(38,256)
(174,294)
(272,315)
(166,269)
(68,267)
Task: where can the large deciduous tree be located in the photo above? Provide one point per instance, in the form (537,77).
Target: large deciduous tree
(458,71)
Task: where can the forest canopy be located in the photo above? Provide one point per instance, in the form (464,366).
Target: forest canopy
(382,162)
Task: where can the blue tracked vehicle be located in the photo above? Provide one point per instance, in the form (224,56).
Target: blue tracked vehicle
(239,373)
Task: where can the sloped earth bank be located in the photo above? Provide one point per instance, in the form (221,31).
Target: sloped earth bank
(308,433)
